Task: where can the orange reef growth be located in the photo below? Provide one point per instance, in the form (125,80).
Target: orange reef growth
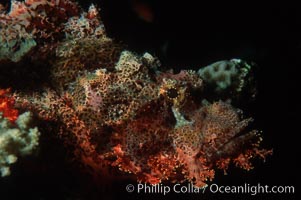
(7,105)
(120,114)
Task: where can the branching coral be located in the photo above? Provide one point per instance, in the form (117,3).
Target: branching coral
(116,110)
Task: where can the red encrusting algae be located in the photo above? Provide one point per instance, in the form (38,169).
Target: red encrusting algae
(7,105)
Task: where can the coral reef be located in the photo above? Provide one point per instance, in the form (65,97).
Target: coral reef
(119,114)
(229,78)
(31,22)
(16,136)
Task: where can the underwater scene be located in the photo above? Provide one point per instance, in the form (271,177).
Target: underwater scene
(148,99)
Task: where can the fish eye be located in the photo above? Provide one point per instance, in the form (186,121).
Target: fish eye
(172,93)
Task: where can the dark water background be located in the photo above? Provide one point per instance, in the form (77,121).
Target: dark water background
(188,35)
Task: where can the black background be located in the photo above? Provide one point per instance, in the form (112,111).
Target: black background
(188,35)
